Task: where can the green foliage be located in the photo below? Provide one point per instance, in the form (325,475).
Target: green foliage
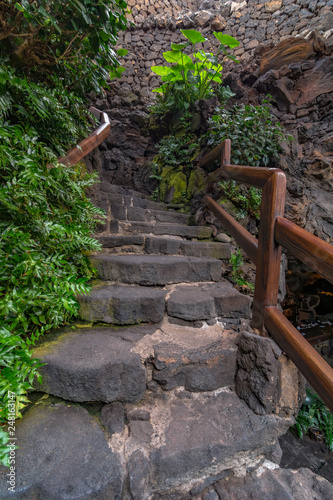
(177,151)
(51,52)
(254,134)
(55,115)
(74,39)
(247,199)
(315,414)
(237,274)
(45,226)
(190,78)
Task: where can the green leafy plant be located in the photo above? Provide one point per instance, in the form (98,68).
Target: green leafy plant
(254,133)
(248,200)
(73,39)
(55,115)
(45,226)
(51,54)
(191,77)
(237,274)
(315,414)
(177,151)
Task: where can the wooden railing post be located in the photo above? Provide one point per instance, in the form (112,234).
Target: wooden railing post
(269,252)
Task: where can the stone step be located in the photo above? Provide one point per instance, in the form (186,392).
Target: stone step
(123,304)
(131,304)
(208,300)
(166,246)
(171,447)
(136,214)
(156,269)
(169,246)
(188,232)
(108,363)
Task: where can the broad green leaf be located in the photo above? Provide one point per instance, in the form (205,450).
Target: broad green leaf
(172,56)
(162,70)
(122,52)
(179,46)
(194,36)
(227,40)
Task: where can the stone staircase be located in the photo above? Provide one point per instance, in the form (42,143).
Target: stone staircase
(140,397)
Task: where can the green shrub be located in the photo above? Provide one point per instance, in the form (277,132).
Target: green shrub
(237,274)
(72,39)
(248,200)
(315,414)
(51,53)
(56,116)
(255,135)
(45,226)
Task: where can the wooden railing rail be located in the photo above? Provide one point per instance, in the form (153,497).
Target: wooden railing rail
(91,142)
(274,232)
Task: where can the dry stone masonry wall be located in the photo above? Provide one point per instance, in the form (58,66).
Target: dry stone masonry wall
(252,22)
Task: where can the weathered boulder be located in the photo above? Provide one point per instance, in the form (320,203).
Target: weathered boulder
(275,484)
(63,454)
(266,379)
(198,364)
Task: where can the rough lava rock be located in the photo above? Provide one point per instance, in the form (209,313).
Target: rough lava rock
(63,454)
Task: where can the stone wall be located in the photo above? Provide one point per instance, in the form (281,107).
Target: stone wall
(254,23)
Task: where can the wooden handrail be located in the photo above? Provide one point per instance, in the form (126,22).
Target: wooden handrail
(91,142)
(274,232)
(242,237)
(314,252)
(252,176)
(306,358)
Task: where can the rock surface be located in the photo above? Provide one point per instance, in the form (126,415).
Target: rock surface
(155,270)
(93,365)
(63,454)
(275,484)
(208,301)
(123,305)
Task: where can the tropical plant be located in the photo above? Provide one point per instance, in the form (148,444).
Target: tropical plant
(315,414)
(73,39)
(255,135)
(191,77)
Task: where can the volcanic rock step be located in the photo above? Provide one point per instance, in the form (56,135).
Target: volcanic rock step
(129,304)
(166,246)
(158,229)
(167,442)
(156,269)
(135,213)
(108,364)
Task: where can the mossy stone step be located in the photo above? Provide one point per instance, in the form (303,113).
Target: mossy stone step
(93,364)
(155,270)
(108,363)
